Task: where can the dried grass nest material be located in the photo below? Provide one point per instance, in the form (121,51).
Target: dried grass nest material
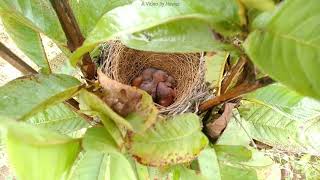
(124,64)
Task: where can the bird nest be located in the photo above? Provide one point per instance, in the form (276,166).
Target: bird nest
(123,64)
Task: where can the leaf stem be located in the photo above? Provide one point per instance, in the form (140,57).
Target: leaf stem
(240,90)
(74,35)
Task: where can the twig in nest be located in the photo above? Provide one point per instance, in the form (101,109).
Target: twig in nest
(74,35)
(242,89)
(234,72)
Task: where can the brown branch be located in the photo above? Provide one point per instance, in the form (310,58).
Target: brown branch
(15,61)
(74,35)
(240,90)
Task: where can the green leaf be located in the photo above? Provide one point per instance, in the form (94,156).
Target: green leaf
(59,118)
(234,134)
(116,132)
(237,173)
(183,173)
(263,5)
(91,102)
(215,68)
(24,97)
(286,102)
(36,14)
(289,49)
(27,40)
(98,139)
(40,148)
(208,163)
(237,162)
(148,172)
(221,15)
(273,128)
(181,36)
(280,117)
(232,153)
(101,166)
(88,13)
(176,140)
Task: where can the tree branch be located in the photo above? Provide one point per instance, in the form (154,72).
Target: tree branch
(74,35)
(240,90)
(15,61)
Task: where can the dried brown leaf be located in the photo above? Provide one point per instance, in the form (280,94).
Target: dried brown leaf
(122,98)
(215,128)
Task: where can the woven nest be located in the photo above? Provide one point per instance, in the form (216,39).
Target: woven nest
(123,64)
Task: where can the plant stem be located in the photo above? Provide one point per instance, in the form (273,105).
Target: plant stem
(74,35)
(15,61)
(240,90)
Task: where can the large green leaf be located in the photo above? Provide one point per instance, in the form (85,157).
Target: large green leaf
(271,127)
(239,163)
(41,148)
(148,172)
(282,118)
(259,4)
(59,118)
(27,40)
(234,134)
(183,173)
(24,97)
(98,139)
(176,140)
(180,36)
(88,13)
(232,153)
(221,15)
(102,158)
(208,164)
(36,14)
(101,166)
(286,102)
(288,49)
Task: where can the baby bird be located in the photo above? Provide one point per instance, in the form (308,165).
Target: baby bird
(157,83)
(165,94)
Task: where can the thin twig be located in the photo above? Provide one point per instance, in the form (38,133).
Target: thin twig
(15,61)
(74,35)
(252,141)
(235,70)
(242,89)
